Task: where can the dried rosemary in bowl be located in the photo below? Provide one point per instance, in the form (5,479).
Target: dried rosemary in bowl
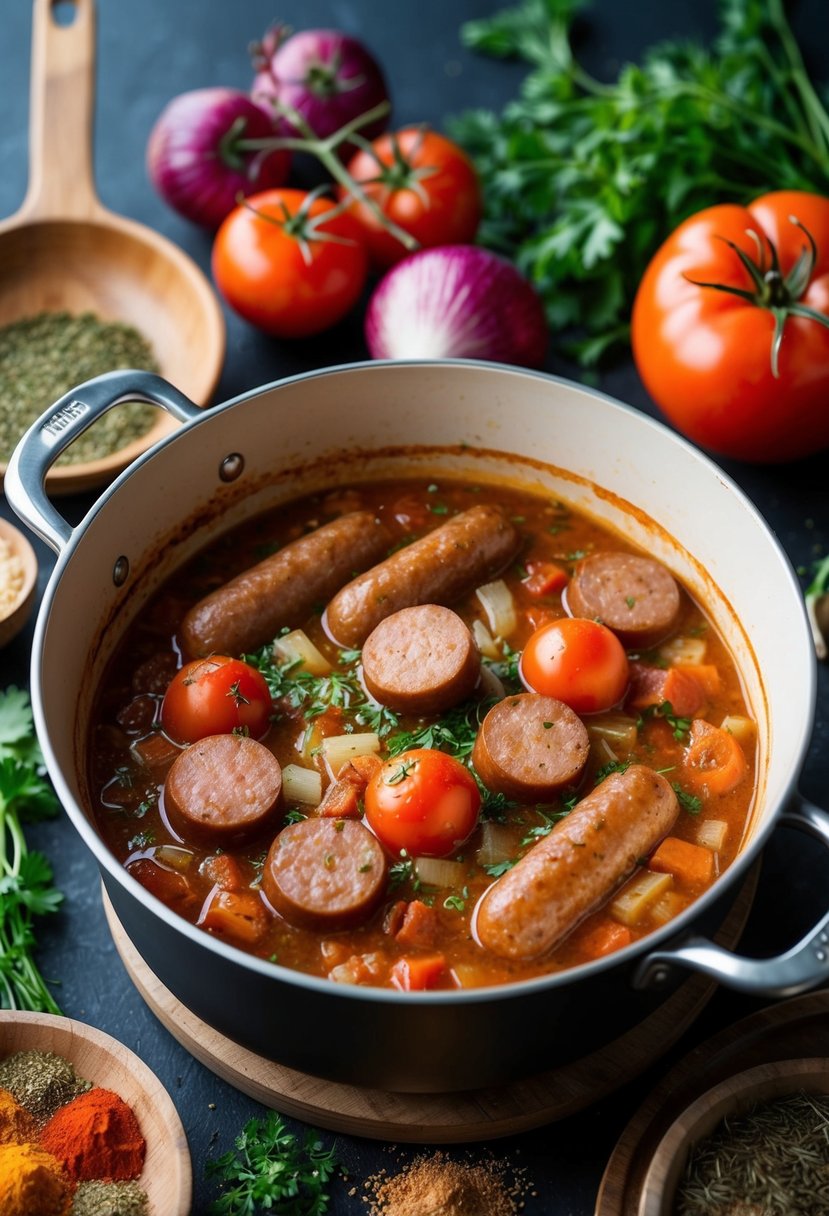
(771,1161)
(44,356)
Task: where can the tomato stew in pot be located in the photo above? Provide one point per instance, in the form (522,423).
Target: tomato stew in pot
(423,736)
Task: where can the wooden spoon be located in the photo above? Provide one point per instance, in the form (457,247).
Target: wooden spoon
(63,250)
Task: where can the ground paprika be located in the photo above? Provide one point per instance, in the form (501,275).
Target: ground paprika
(96,1136)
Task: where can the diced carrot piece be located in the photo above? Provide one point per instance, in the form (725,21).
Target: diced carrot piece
(715,762)
(155,750)
(545,578)
(420,924)
(394,917)
(364,767)
(414,973)
(656,685)
(223,871)
(707,674)
(537,616)
(689,863)
(167,885)
(340,801)
(237,914)
(603,938)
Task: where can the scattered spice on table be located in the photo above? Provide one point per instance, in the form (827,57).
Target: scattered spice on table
(774,1160)
(96,1136)
(41,1081)
(437,1185)
(16,1124)
(44,356)
(32,1182)
(110,1199)
(11,577)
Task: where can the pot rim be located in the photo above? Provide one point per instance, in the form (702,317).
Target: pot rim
(679,926)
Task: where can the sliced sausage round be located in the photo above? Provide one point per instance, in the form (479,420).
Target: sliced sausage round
(421,660)
(580,864)
(439,568)
(634,596)
(529,747)
(224,790)
(325,873)
(283,589)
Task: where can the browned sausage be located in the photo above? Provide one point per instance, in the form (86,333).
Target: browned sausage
(223,790)
(437,569)
(585,857)
(634,596)
(421,660)
(529,747)
(325,873)
(283,590)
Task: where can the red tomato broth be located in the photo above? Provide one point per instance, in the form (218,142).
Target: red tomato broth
(129,804)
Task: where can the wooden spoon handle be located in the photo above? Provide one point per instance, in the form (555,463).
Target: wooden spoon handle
(61,181)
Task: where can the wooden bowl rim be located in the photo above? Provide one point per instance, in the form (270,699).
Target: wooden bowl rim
(732,1095)
(13,621)
(170,1175)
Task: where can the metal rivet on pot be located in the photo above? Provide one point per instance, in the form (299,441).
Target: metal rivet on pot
(820,955)
(231,466)
(121,570)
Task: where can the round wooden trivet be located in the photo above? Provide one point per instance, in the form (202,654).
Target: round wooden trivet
(454,1118)
(789,1029)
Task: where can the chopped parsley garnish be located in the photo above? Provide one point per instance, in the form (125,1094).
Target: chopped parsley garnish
(680,727)
(689,802)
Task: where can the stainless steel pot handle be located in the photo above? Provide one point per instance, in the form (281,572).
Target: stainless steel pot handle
(804,966)
(25,477)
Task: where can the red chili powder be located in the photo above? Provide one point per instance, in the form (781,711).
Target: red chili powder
(96,1136)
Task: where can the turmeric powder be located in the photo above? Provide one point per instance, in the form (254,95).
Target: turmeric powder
(32,1182)
(16,1124)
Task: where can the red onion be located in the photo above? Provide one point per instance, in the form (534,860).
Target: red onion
(194,159)
(325,76)
(456,301)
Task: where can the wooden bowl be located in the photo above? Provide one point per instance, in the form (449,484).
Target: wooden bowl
(167,1174)
(63,251)
(733,1097)
(18,614)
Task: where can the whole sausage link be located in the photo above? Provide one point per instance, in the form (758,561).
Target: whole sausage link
(437,569)
(283,589)
(583,860)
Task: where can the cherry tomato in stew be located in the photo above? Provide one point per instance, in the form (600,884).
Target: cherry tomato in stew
(580,662)
(216,696)
(423,801)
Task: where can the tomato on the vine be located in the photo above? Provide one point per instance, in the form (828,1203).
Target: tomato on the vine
(423,801)
(216,696)
(730,327)
(577,661)
(423,183)
(289,262)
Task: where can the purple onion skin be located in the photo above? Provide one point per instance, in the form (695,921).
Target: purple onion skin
(456,301)
(185,157)
(293,72)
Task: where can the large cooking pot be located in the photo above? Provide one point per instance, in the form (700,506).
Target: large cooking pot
(373,420)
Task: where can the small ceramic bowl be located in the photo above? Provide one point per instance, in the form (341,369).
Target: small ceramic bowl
(15,617)
(732,1097)
(167,1174)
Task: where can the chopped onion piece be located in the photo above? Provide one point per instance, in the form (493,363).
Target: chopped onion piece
(498,843)
(743,729)
(639,896)
(617,729)
(712,834)
(297,647)
(601,751)
(490,685)
(485,641)
(667,907)
(438,872)
(301,784)
(337,750)
(499,606)
(172,856)
(683,652)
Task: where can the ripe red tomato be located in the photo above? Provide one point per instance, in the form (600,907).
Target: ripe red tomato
(580,662)
(421,181)
(706,355)
(285,267)
(216,696)
(423,801)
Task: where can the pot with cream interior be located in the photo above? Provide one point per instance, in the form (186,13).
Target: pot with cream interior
(498,425)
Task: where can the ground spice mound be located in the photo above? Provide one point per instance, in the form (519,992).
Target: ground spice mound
(438,1186)
(96,1136)
(41,1081)
(16,1124)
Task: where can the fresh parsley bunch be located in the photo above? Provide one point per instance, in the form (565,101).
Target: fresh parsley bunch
(272,1170)
(584,179)
(26,889)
